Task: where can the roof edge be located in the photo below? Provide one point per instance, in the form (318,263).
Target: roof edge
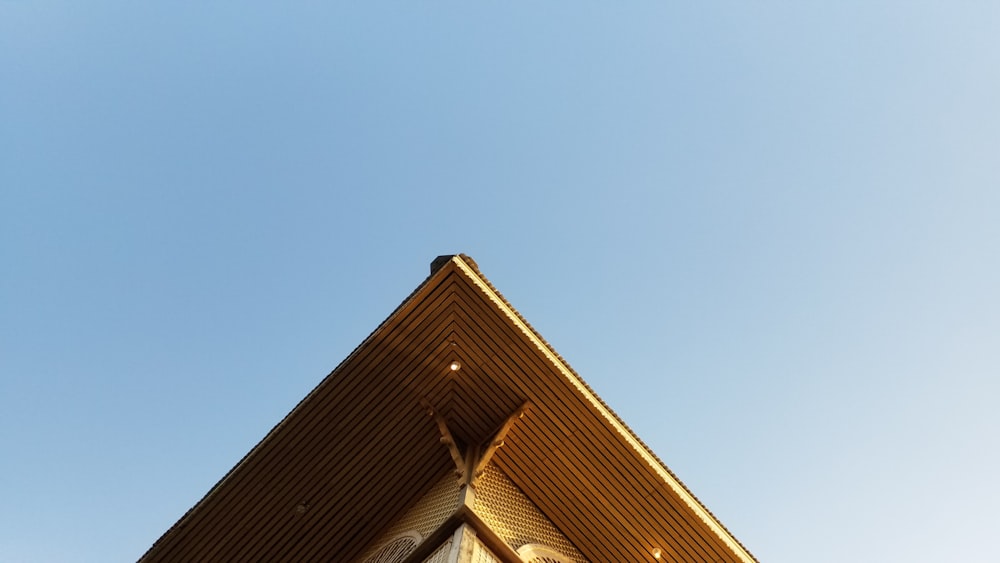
(473,273)
(191,512)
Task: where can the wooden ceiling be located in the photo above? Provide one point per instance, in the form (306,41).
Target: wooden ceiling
(360,447)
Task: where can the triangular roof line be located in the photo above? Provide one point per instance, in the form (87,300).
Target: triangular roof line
(470,269)
(325,480)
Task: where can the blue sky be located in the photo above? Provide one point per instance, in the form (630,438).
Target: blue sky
(766,233)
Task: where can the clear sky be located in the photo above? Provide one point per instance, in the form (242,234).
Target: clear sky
(765,232)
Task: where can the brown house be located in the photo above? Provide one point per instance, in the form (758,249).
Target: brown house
(453,433)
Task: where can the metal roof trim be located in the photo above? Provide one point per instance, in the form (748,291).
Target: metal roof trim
(598,404)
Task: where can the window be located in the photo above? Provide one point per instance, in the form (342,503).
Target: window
(537,553)
(396,550)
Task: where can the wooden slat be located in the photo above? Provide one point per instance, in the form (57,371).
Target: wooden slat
(360,449)
(294,443)
(528,358)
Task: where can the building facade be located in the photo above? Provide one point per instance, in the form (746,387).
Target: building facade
(453,433)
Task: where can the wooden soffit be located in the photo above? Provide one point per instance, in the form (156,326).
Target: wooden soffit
(361,448)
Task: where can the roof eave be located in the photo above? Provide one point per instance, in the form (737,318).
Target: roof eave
(607,416)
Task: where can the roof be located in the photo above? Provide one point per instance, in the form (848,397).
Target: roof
(360,447)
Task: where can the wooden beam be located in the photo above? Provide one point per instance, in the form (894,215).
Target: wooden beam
(463,515)
(490,539)
(457,456)
(470,463)
(490,446)
(432,542)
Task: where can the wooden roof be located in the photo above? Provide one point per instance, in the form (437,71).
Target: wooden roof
(361,447)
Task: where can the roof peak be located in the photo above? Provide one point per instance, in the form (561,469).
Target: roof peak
(443,259)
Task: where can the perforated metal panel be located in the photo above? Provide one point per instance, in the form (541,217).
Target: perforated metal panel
(440,555)
(509,513)
(394,551)
(534,553)
(424,517)
(482,554)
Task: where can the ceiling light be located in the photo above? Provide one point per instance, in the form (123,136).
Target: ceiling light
(455,366)
(657,553)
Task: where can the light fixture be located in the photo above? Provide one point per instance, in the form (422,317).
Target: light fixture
(455,366)
(657,553)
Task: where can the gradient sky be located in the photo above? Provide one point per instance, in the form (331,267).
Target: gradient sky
(766,233)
